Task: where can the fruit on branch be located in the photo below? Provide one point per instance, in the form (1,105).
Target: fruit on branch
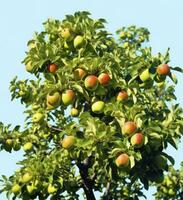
(29,67)
(68,142)
(27,146)
(78,41)
(65,33)
(137,140)
(68,97)
(145,75)
(16,188)
(74,112)
(52,68)
(163,69)
(122,160)
(37,117)
(98,107)
(26,178)
(9,142)
(51,189)
(126,45)
(104,78)
(79,74)
(91,82)
(123,35)
(160,162)
(54,99)
(122,95)
(31,188)
(129,128)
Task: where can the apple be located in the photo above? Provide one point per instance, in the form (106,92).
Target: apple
(160,162)
(163,69)
(68,142)
(122,95)
(51,189)
(68,97)
(9,142)
(137,140)
(54,99)
(27,146)
(37,117)
(145,75)
(78,41)
(98,107)
(65,33)
(79,74)
(16,188)
(91,82)
(52,68)
(74,112)
(104,78)
(29,67)
(26,178)
(122,160)
(129,128)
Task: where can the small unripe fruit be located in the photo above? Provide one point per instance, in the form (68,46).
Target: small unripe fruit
(16,188)
(98,107)
(27,146)
(68,142)
(52,68)
(9,142)
(26,178)
(122,95)
(65,33)
(137,140)
(163,69)
(129,128)
(74,112)
(78,41)
(51,189)
(104,78)
(68,97)
(29,67)
(54,99)
(145,75)
(79,74)
(37,117)
(122,160)
(91,82)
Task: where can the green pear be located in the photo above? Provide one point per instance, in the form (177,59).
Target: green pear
(98,107)
(145,75)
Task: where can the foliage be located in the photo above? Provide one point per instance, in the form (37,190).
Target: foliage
(88,161)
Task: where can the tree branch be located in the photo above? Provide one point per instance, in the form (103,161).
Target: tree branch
(87,182)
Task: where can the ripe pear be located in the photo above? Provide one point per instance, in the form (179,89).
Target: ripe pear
(122,160)
(78,41)
(91,82)
(129,128)
(54,99)
(37,117)
(145,75)
(27,146)
(68,142)
(98,107)
(27,177)
(16,188)
(68,97)
(74,112)
(51,189)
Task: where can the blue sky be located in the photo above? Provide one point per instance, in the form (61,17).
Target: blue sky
(20,18)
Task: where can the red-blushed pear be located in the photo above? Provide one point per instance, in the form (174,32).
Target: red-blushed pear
(68,142)
(52,68)
(145,75)
(79,74)
(163,69)
(91,82)
(137,140)
(122,160)
(104,78)
(122,95)
(27,146)
(68,97)
(27,177)
(16,188)
(65,33)
(129,128)
(74,112)
(98,107)
(78,41)
(37,117)
(54,99)
(51,189)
